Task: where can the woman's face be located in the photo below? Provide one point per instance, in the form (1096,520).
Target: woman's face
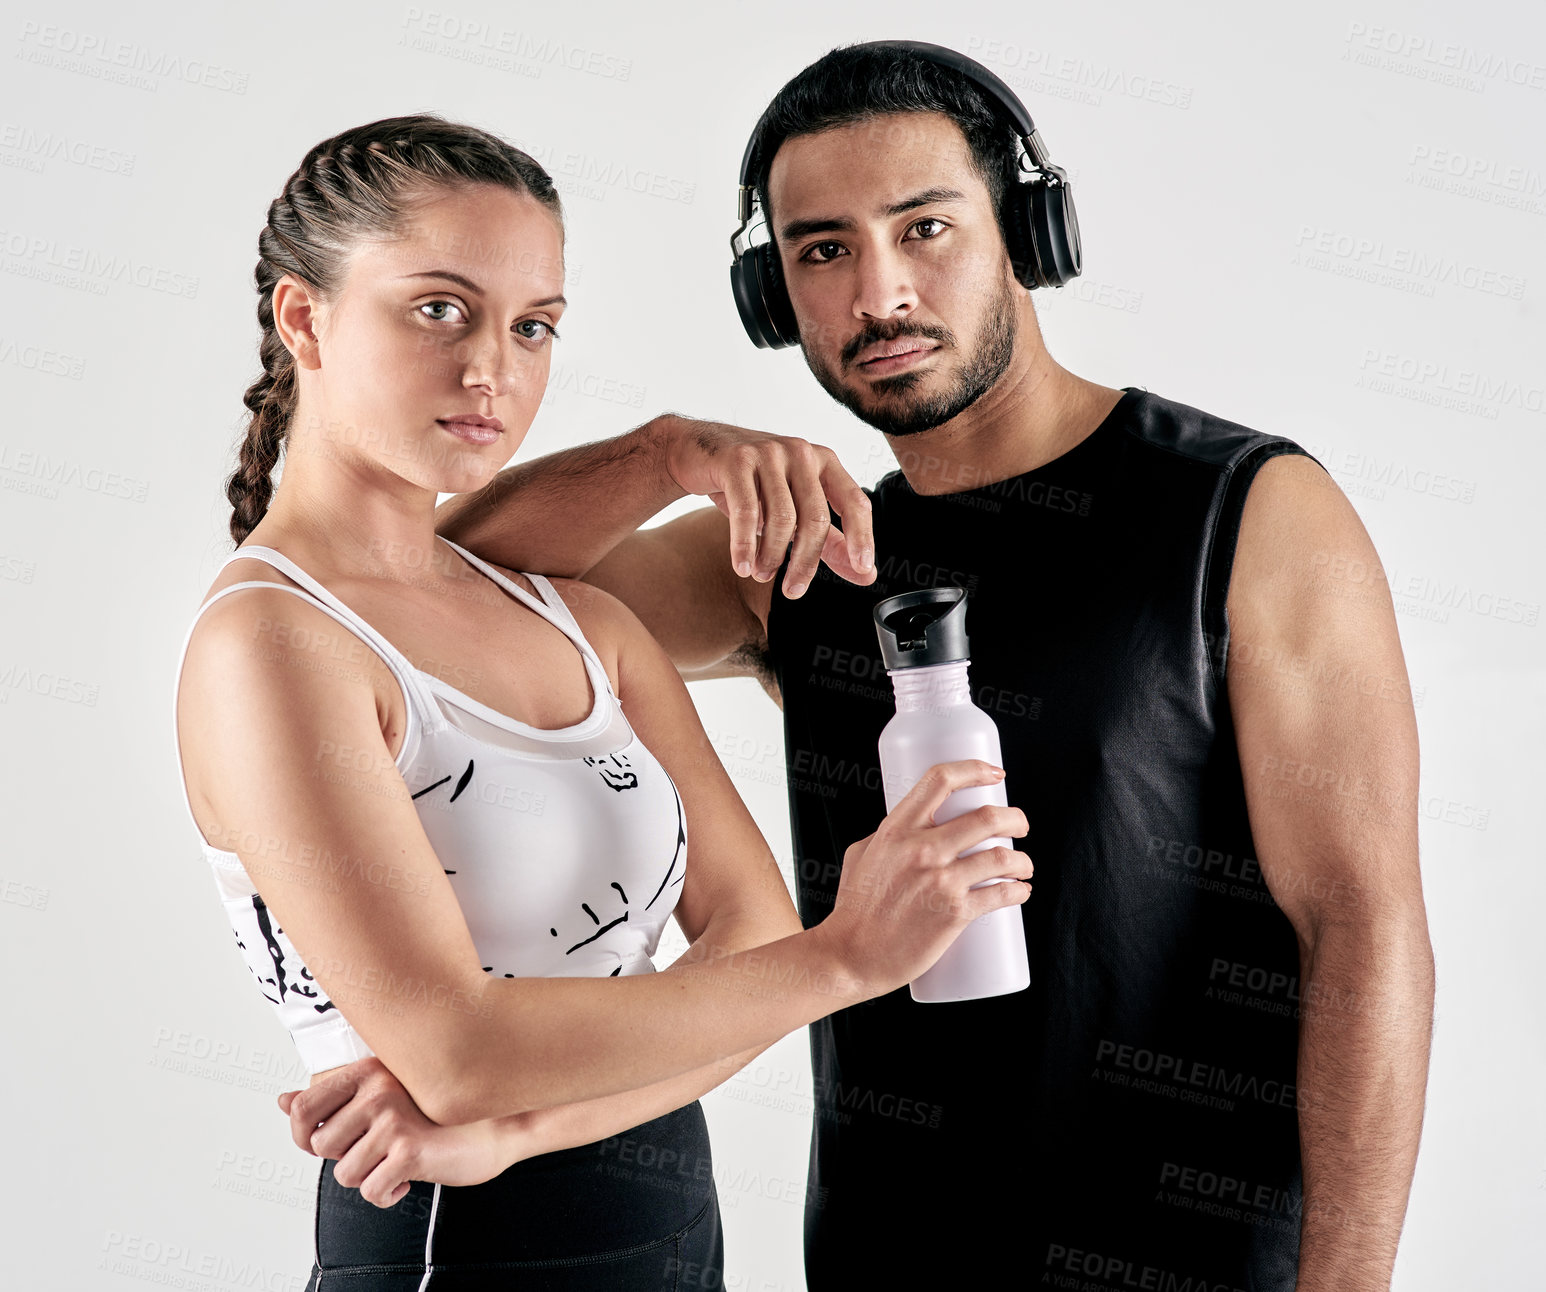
(406,347)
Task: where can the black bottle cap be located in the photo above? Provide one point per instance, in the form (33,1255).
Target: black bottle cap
(925,627)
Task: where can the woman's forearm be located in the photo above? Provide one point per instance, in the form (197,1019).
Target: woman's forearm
(610,1036)
(546,1130)
(518,1136)
(616,485)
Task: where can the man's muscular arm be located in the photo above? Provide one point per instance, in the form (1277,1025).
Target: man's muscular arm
(702,584)
(577,512)
(1328,749)
(711,621)
(561,513)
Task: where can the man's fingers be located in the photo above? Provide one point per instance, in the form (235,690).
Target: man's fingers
(835,553)
(853,505)
(778,497)
(812,527)
(743,507)
(778,520)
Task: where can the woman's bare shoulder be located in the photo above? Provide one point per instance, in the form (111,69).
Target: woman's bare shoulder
(608,624)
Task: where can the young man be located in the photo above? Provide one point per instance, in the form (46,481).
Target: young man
(1216,1077)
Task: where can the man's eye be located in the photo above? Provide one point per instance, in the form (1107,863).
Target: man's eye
(940,226)
(828,251)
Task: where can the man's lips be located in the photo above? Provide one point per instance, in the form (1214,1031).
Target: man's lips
(890,349)
(894,356)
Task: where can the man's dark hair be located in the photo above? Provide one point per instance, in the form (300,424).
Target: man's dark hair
(854,83)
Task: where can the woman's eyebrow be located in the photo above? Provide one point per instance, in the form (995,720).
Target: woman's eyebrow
(473,287)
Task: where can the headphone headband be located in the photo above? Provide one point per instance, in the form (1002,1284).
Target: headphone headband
(974,71)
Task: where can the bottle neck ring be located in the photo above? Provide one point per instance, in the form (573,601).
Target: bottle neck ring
(931,686)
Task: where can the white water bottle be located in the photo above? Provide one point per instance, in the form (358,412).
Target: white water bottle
(923,642)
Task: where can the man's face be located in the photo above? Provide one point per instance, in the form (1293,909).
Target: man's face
(896,268)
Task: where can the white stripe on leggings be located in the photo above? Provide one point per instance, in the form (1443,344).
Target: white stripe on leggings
(429,1237)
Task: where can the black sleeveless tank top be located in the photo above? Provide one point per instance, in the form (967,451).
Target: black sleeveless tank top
(1133,1112)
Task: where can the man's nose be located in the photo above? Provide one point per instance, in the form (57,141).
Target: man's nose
(883,283)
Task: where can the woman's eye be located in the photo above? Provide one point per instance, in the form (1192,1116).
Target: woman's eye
(547,329)
(439,318)
(829,251)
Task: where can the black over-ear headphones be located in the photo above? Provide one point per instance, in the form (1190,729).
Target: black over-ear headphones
(1040,227)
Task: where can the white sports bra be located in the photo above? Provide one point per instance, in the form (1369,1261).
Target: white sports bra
(566,848)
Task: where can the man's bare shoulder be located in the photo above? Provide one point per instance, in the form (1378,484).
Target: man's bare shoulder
(1298,530)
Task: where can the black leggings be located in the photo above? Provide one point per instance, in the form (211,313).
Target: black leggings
(634,1211)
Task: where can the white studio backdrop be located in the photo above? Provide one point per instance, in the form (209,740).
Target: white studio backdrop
(1325,222)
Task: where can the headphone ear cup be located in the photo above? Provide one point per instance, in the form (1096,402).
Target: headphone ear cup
(779,311)
(1018,238)
(761,300)
(748,297)
(1054,229)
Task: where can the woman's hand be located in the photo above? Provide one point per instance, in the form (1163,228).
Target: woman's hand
(905,892)
(777,487)
(381,1140)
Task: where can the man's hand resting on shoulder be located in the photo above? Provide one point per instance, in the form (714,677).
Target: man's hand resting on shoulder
(776,488)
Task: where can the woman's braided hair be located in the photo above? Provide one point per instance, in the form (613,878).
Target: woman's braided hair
(362,183)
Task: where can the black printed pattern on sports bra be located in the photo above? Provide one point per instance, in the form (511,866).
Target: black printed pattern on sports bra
(615,770)
(276,955)
(678,853)
(461,784)
(618,773)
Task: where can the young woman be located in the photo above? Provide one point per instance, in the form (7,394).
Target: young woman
(417,877)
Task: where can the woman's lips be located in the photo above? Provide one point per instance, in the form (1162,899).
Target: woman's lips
(471,432)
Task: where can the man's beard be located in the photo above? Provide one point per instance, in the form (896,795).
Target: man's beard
(897,416)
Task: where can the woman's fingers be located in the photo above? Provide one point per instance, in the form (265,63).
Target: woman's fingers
(346,1101)
(386,1185)
(345,1128)
(319,1102)
(990,821)
(915,809)
(362,1158)
(991,863)
(991,897)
